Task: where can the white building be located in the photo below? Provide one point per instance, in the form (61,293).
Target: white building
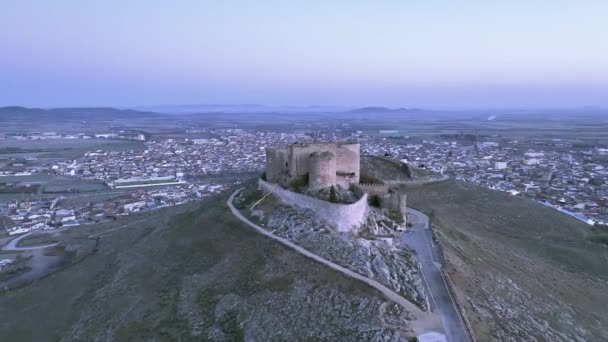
(532,161)
(135,206)
(500,165)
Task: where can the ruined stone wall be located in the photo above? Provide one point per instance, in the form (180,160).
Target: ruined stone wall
(322,170)
(394,201)
(349,159)
(275,165)
(299,157)
(344,217)
(295,160)
(374,189)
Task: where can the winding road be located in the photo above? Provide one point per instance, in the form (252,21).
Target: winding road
(12,244)
(424,322)
(420,240)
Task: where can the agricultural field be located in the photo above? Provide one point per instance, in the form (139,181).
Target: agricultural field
(65,184)
(63,148)
(46,186)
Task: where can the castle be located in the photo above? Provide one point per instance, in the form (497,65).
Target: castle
(319,165)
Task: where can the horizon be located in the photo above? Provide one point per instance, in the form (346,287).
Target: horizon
(438,55)
(313,108)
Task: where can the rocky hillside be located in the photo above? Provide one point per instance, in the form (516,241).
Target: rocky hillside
(192,276)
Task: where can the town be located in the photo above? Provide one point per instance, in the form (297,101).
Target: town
(175,171)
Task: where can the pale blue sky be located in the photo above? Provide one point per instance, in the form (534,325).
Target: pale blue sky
(427,53)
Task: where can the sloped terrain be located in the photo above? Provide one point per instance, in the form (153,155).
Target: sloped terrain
(391,170)
(198,275)
(374,258)
(385,168)
(522,271)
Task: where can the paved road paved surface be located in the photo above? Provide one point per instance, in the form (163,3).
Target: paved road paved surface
(12,245)
(424,322)
(421,241)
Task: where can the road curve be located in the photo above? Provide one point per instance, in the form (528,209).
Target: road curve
(420,240)
(12,245)
(424,322)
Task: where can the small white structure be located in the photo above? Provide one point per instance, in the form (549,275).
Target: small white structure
(135,206)
(500,165)
(532,161)
(432,337)
(18,230)
(68,219)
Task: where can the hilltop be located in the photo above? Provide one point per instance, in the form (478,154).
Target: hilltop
(380,168)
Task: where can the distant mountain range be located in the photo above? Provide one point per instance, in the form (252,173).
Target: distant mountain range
(386,110)
(76,113)
(239,109)
(109,113)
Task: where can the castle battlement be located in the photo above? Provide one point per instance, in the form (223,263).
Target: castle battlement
(319,164)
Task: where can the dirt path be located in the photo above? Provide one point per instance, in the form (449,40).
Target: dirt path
(118,228)
(423,322)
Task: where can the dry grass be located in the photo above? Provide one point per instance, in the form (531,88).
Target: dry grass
(156,280)
(521,270)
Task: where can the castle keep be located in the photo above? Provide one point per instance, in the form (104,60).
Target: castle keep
(320,165)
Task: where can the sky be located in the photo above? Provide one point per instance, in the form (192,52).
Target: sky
(429,54)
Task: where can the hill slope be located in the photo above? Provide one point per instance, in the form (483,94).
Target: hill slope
(522,271)
(202,275)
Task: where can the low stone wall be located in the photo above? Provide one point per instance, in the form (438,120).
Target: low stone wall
(395,201)
(418,181)
(345,217)
(373,188)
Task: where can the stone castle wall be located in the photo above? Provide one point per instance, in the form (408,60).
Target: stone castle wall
(349,159)
(276,160)
(345,217)
(292,163)
(322,170)
(394,201)
(374,189)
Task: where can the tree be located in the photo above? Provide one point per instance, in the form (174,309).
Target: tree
(333,196)
(374,201)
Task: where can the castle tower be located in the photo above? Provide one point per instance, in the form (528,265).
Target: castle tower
(322,170)
(275,162)
(348,164)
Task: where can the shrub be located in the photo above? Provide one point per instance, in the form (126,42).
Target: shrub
(374,201)
(333,196)
(300,184)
